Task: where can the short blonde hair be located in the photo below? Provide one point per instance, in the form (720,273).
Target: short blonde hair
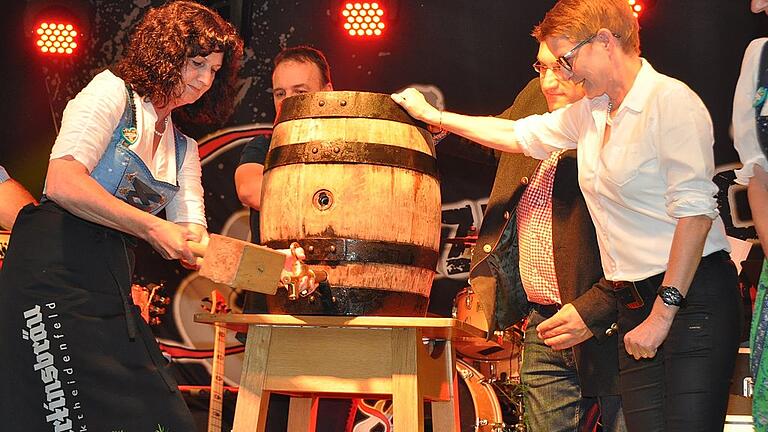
(579,19)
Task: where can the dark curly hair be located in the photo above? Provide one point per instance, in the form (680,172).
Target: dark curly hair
(160,46)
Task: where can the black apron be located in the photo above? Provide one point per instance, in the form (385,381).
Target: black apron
(74,350)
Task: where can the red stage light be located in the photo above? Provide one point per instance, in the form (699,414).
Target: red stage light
(363,19)
(57,25)
(55,37)
(637,7)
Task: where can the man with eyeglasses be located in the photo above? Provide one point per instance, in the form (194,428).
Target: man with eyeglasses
(554,263)
(645,164)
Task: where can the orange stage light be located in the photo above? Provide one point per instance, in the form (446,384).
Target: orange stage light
(639,6)
(363,19)
(56,37)
(57,27)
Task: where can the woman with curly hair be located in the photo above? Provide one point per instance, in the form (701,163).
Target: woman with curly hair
(76,354)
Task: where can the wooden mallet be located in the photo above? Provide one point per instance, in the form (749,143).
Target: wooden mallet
(240,264)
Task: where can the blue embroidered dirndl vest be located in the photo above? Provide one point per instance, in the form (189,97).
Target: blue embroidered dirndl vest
(122,172)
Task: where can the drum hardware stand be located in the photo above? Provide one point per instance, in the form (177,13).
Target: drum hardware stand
(492,369)
(435,347)
(513,390)
(517,391)
(496,427)
(514,396)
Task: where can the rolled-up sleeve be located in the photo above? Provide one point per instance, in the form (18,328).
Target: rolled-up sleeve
(744,128)
(541,134)
(4,175)
(188,206)
(90,119)
(686,157)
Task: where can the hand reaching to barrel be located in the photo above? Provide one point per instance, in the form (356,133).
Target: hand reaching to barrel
(418,107)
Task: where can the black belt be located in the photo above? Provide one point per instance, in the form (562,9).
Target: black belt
(629,293)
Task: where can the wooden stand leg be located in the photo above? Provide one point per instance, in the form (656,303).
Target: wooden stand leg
(407,401)
(445,415)
(302,414)
(252,401)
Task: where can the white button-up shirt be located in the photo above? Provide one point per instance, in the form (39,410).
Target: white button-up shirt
(744,131)
(656,167)
(86,130)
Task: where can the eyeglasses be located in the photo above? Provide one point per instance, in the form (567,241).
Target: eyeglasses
(541,68)
(564,60)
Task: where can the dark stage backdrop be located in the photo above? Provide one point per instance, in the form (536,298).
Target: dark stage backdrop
(473,55)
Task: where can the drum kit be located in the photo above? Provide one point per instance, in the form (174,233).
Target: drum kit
(489,372)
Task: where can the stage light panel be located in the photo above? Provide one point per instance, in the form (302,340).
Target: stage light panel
(56,37)
(362,19)
(637,7)
(64,22)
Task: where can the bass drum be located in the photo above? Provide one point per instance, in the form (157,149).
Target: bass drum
(479,409)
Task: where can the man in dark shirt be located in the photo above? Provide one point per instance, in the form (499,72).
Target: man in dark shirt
(537,253)
(298,70)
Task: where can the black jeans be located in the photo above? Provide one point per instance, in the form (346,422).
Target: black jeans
(685,386)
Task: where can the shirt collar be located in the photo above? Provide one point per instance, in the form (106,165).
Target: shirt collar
(638,94)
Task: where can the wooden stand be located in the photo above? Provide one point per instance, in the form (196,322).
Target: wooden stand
(411,359)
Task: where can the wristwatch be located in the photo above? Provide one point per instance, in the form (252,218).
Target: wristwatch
(671,296)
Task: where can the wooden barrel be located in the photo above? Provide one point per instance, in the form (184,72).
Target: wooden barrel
(353,179)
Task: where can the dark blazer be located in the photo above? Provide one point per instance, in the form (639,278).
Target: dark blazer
(495,275)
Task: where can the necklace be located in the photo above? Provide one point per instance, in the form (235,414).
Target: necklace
(165,125)
(608,119)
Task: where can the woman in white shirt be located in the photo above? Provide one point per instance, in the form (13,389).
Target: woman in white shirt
(645,164)
(751,141)
(78,356)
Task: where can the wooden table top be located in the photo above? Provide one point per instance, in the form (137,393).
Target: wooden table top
(435,328)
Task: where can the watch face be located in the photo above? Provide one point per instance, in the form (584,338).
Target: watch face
(671,296)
